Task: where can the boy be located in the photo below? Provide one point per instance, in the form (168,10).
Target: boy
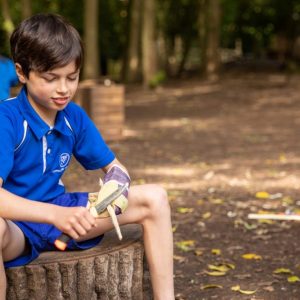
(40,130)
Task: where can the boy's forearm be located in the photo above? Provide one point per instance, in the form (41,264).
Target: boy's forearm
(114,162)
(16,208)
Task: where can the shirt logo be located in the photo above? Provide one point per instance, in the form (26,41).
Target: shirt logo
(64,159)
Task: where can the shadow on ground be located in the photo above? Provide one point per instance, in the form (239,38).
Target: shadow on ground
(213,146)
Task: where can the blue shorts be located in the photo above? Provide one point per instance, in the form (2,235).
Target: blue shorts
(40,237)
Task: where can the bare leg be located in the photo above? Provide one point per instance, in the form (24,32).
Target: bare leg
(148,206)
(12,244)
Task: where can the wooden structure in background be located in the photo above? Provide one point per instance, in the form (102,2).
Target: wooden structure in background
(105,105)
(112,270)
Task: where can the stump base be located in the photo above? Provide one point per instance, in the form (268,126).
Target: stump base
(111,270)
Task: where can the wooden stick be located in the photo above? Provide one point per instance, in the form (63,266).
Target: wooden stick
(114,219)
(281,217)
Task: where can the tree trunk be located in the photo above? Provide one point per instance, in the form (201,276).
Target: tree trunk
(92,53)
(202,30)
(133,60)
(213,37)
(8,23)
(26,9)
(187,43)
(149,42)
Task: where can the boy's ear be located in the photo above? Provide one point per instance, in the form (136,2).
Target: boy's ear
(20,73)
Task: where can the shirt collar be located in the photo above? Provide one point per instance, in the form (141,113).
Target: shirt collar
(35,122)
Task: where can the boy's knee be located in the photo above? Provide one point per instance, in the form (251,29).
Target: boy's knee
(3,231)
(157,200)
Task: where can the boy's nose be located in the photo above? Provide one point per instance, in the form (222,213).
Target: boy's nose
(62,87)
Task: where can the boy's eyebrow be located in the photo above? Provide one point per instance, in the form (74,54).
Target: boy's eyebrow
(55,74)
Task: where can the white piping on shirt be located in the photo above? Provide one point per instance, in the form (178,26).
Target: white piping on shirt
(25,125)
(68,124)
(44,154)
(8,99)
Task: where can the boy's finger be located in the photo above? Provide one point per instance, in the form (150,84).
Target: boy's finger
(73,234)
(80,229)
(86,224)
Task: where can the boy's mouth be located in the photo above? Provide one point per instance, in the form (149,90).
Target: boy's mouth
(60,100)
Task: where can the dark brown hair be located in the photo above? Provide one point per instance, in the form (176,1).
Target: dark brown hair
(44,42)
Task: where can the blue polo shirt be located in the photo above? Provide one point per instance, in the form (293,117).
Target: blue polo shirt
(33,156)
(8,77)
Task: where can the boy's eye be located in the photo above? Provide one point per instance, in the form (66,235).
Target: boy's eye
(49,79)
(73,78)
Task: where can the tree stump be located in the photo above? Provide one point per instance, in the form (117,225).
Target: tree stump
(105,104)
(112,270)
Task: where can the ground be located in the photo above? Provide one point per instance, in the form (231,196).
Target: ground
(214,146)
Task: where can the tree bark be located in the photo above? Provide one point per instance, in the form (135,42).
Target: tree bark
(149,42)
(202,30)
(8,23)
(111,271)
(133,59)
(92,53)
(212,55)
(26,9)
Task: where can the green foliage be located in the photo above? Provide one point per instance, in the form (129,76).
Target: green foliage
(257,22)
(157,79)
(113,21)
(178,18)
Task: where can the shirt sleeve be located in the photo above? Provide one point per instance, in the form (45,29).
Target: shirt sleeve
(90,148)
(8,141)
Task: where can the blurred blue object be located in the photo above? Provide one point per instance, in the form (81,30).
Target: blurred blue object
(8,77)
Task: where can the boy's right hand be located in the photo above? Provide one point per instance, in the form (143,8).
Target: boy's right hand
(73,221)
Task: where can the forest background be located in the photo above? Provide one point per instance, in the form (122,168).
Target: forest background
(147,42)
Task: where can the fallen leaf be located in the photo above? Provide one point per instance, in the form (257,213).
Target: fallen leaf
(287,200)
(216,251)
(266,221)
(268,289)
(249,226)
(282,271)
(210,286)
(186,245)
(198,252)
(282,158)
(215,273)
(262,195)
(216,201)
(237,288)
(251,256)
(184,210)
(179,258)
(229,265)
(293,279)
(206,215)
(220,268)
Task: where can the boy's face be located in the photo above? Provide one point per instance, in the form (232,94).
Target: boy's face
(49,92)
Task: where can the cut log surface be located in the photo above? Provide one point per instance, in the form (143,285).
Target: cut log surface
(112,270)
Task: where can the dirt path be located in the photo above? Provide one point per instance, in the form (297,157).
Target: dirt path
(213,146)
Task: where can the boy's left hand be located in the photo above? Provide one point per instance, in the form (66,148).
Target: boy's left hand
(114,177)
(119,205)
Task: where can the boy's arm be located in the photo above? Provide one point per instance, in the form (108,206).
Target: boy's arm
(75,221)
(114,162)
